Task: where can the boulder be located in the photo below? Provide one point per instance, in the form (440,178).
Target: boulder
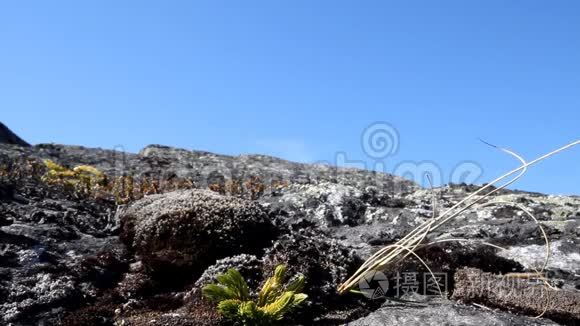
(324,261)
(248,265)
(183,232)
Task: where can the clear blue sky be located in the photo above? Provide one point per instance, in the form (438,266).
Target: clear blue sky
(301,79)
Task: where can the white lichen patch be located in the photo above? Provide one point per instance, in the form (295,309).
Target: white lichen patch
(533,256)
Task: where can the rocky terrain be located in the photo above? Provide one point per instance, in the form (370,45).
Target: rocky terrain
(82,259)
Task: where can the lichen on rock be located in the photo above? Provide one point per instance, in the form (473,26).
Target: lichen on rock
(183,232)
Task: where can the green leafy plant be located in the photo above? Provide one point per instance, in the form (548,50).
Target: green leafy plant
(276,298)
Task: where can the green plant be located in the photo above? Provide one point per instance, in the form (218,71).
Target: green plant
(276,298)
(83,178)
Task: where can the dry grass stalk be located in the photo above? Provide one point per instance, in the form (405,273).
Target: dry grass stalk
(413,239)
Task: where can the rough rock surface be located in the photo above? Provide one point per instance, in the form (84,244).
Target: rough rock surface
(444,314)
(55,253)
(204,168)
(184,232)
(248,265)
(62,260)
(324,261)
(516,294)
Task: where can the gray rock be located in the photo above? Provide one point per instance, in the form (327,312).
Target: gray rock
(335,204)
(57,252)
(444,314)
(324,261)
(564,256)
(37,292)
(248,265)
(183,232)
(45,231)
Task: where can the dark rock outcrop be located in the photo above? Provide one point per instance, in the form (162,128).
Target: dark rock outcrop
(248,265)
(57,253)
(324,261)
(9,137)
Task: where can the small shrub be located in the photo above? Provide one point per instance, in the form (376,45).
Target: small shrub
(123,189)
(14,170)
(218,187)
(234,188)
(83,179)
(256,187)
(275,299)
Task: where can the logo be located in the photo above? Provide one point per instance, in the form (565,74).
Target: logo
(380,140)
(374,285)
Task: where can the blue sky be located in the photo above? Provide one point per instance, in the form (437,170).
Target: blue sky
(301,79)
